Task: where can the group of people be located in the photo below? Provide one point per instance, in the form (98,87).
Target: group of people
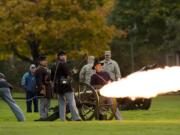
(99,73)
(41,82)
(49,81)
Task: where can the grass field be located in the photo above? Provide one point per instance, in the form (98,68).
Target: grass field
(163,118)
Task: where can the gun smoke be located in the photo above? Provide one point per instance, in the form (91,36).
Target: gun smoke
(145,84)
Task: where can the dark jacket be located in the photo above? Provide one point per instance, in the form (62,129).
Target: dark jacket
(99,79)
(42,75)
(62,72)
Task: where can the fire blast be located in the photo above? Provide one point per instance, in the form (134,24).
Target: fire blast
(145,84)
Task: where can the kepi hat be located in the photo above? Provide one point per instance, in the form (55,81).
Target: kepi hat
(96,62)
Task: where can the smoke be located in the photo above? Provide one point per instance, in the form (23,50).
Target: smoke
(145,84)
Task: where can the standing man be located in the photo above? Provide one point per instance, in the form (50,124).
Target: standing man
(5,94)
(87,71)
(61,76)
(111,66)
(28,82)
(42,75)
(101,78)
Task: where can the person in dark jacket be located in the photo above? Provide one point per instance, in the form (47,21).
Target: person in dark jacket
(5,94)
(44,88)
(60,75)
(28,82)
(101,78)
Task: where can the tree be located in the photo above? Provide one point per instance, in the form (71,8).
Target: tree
(29,28)
(155,22)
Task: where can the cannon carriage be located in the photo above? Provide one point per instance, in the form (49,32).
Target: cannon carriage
(90,104)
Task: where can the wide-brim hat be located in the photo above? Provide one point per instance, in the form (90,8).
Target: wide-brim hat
(96,62)
(61,53)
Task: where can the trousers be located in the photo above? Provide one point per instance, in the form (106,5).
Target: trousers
(5,94)
(69,97)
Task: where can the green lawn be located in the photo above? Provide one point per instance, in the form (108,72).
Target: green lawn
(163,118)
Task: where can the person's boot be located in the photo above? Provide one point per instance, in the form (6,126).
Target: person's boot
(41,119)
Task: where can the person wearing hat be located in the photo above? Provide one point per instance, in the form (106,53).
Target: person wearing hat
(28,82)
(86,71)
(44,89)
(98,80)
(61,75)
(100,77)
(5,94)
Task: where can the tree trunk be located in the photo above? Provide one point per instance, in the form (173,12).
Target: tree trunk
(34,46)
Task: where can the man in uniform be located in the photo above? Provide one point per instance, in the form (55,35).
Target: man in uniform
(43,79)
(111,66)
(61,75)
(87,71)
(101,78)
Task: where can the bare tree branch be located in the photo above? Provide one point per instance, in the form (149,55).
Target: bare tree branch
(22,57)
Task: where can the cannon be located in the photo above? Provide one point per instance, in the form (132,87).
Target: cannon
(91,105)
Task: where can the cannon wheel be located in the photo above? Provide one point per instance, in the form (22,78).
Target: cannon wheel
(125,104)
(146,103)
(137,104)
(142,103)
(87,101)
(107,108)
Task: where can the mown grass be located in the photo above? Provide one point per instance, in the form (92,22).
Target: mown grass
(163,118)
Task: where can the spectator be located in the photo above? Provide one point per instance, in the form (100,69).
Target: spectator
(87,71)
(111,66)
(29,84)
(5,94)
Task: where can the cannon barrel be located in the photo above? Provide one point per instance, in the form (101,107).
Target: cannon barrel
(147,67)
